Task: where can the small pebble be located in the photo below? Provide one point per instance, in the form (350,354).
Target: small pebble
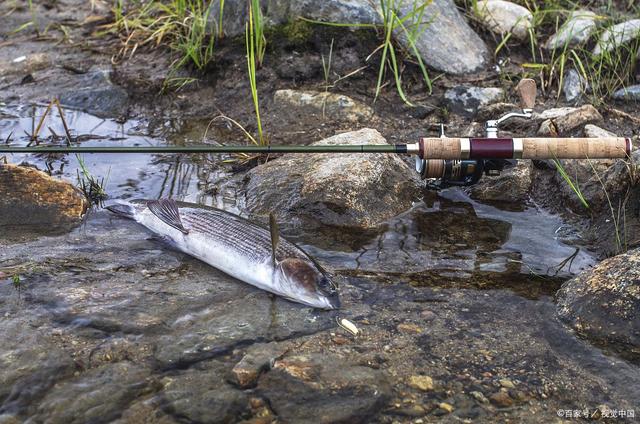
(507,383)
(421,382)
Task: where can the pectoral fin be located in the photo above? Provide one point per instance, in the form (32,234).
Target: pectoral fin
(167,211)
(275,237)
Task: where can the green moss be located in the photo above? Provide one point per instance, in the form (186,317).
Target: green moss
(295,33)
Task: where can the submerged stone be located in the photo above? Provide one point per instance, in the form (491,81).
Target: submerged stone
(324,388)
(603,304)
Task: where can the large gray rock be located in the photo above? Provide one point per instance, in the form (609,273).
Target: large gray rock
(577,29)
(346,190)
(617,35)
(98,395)
(503,17)
(201,395)
(631,93)
(314,389)
(466,100)
(278,12)
(443,38)
(603,304)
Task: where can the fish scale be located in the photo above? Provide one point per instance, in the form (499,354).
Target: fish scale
(252,240)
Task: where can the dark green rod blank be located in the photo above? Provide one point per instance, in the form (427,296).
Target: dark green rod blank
(336,148)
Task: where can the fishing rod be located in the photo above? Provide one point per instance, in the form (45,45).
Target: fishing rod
(445,161)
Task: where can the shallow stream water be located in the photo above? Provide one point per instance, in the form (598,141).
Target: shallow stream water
(105,297)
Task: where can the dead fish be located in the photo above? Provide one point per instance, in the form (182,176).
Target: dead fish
(237,246)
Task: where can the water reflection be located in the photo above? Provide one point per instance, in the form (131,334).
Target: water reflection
(195,178)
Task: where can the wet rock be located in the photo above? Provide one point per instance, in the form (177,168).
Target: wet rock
(631,93)
(603,304)
(259,357)
(466,100)
(323,388)
(30,364)
(574,85)
(447,43)
(479,396)
(201,395)
(506,383)
(511,186)
(577,29)
(501,399)
(335,106)
(595,131)
(448,408)
(617,35)
(503,17)
(346,190)
(421,382)
(24,65)
(99,395)
(96,94)
(567,119)
(33,201)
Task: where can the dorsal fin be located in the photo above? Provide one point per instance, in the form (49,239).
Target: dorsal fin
(275,237)
(167,211)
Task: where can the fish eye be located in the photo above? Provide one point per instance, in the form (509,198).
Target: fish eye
(326,284)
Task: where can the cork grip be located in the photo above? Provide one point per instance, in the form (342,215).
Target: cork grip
(574,148)
(440,148)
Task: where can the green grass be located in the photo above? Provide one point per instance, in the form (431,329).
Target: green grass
(575,187)
(92,187)
(604,73)
(256,21)
(392,55)
(179,24)
(252,59)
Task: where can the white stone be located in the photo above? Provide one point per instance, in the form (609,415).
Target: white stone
(617,35)
(577,29)
(504,17)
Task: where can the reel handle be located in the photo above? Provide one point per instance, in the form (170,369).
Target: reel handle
(522,148)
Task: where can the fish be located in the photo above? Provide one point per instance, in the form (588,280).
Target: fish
(241,248)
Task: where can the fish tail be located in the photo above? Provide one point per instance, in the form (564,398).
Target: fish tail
(125,210)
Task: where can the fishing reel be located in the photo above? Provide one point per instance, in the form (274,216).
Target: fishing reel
(441,173)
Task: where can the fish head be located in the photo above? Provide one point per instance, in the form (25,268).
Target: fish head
(308,284)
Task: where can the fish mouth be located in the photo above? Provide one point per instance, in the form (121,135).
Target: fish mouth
(327,302)
(334,301)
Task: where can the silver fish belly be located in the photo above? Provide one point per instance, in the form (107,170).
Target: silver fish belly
(241,249)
